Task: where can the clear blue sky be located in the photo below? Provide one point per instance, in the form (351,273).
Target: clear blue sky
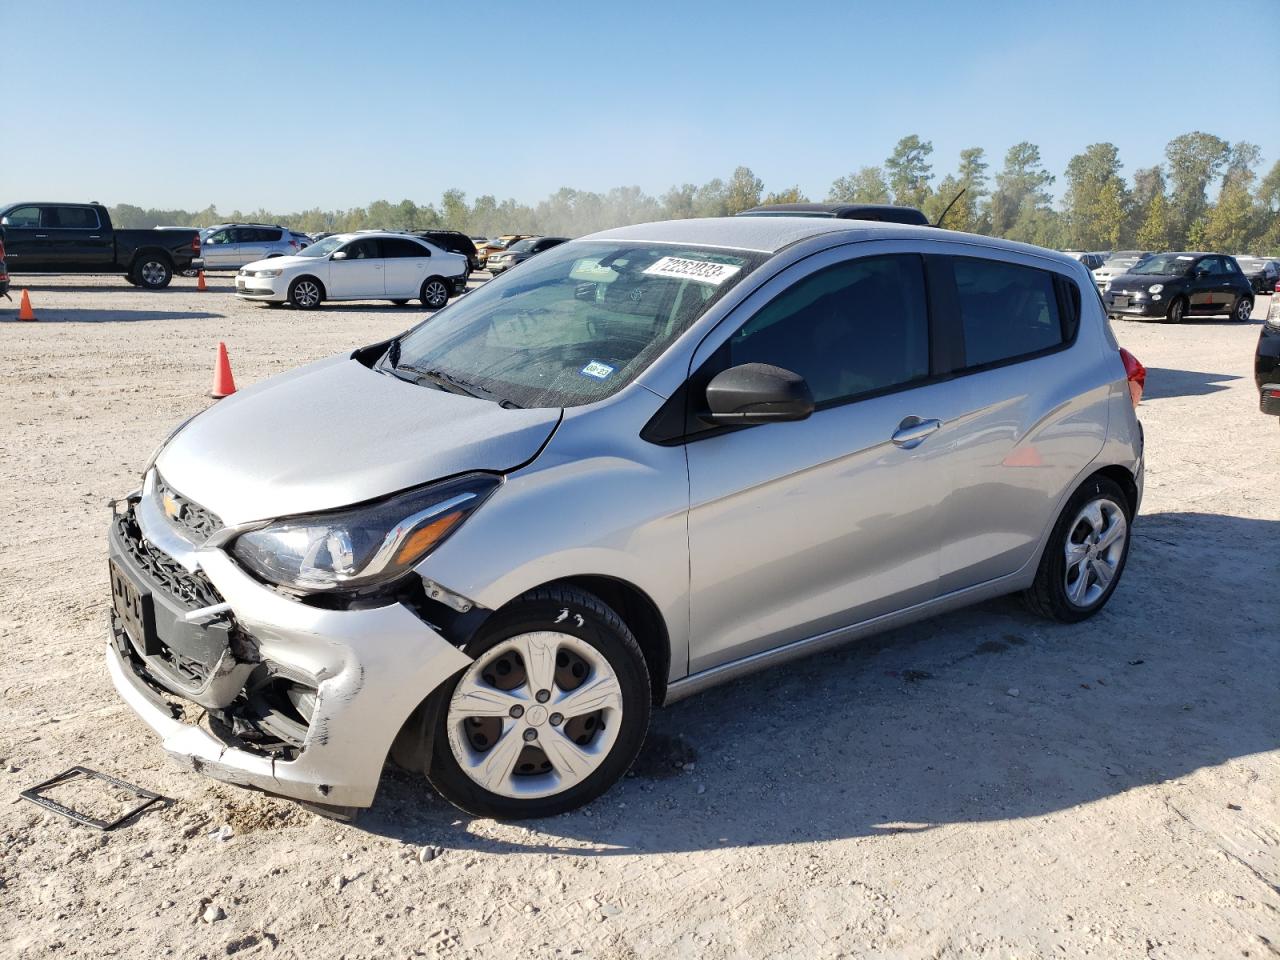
(293,105)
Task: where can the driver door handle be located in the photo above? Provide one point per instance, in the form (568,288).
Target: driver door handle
(913,431)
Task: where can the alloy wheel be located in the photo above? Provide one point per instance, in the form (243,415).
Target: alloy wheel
(1094,548)
(152,273)
(306,294)
(1244,310)
(535,715)
(436,294)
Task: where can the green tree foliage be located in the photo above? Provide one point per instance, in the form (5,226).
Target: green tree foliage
(909,172)
(1096,203)
(1208,194)
(867,185)
(1022,193)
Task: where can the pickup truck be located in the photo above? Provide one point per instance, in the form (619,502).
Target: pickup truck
(79,238)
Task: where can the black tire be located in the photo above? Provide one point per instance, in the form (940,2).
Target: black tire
(1177,310)
(434,293)
(1242,312)
(1048,595)
(306,293)
(578,614)
(152,272)
(399,303)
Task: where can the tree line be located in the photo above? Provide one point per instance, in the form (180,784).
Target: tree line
(1207,194)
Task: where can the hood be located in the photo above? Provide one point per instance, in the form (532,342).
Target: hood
(334,433)
(275,263)
(1141,281)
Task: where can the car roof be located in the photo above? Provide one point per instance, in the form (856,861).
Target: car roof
(773,234)
(891,213)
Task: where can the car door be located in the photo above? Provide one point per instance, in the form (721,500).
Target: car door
(802,528)
(221,250)
(1026,427)
(25,242)
(407,264)
(255,243)
(1233,287)
(1205,286)
(358,273)
(76,238)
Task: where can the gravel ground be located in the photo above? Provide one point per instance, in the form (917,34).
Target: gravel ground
(986,783)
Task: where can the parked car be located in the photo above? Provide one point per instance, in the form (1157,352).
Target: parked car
(1091,261)
(1118,264)
(79,238)
(648,461)
(1266,365)
(229,246)
(455,242)
(4,269)
(520,251)
(498,243)
(1261,272)
(881,212)
(1178,285)
(302,239)
(357,266)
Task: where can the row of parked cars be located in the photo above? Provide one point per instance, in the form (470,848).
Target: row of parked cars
(1175,285)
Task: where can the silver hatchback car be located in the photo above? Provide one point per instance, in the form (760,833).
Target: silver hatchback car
(648,461)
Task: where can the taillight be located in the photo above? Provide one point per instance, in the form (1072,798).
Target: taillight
(1136,374)
(195,244)
(294,244)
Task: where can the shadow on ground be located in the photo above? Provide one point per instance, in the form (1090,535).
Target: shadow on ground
(75,315)
(987,714)
(1163,383)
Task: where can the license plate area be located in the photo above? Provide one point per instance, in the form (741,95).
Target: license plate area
(136,611)
(1119,301)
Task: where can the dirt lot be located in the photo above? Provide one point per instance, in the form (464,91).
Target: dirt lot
(982,784)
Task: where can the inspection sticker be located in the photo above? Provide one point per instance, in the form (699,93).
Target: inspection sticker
(596,369)
(704,271)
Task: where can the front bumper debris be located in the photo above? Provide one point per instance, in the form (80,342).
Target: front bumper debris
(268,692)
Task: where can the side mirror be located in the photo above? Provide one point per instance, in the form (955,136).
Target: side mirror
(340,255)
(757,393)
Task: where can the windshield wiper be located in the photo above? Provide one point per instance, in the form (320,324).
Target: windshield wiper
(441,379)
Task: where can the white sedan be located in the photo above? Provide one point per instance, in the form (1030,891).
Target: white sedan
(357,266)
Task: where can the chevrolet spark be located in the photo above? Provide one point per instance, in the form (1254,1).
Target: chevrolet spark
(651,460)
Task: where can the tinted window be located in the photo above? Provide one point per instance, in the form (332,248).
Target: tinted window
(403,248)
(261,234)
(366,249)
(1210,265)
(217,237)
(1006,310)
(23,217)
(71,218)
(850,329)
(1230,265)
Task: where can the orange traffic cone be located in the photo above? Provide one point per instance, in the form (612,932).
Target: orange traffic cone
(24,312)
(200,284)
(223,383)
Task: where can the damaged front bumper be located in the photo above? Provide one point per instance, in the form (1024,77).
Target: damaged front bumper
(260,689)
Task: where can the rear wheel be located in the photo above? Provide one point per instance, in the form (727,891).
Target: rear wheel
(1177,310)
(1243,310)
(434,293)
(305,293)
(1085,555)
(152,273)
(549,715)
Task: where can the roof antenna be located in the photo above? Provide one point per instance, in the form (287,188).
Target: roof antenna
(944,213)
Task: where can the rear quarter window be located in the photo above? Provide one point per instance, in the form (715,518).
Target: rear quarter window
(1009,311)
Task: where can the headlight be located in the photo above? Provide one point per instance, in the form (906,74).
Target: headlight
(1155,288)
(269,273)
(365,545)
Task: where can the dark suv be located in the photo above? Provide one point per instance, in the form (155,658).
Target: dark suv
(454,242)
(1178,285)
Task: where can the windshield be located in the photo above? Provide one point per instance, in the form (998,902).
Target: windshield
(521,246)
(573,325)
(1165,265)
(322,248)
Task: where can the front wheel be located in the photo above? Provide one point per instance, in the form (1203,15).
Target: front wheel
(550,713)
(1243,310)
(435,293)
(153,273)
(1177,310)
(305,293)
(1085,555)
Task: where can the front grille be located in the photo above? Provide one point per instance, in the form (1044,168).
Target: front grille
(188,516)
(192,590)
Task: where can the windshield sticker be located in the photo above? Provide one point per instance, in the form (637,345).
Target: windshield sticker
(704,271)
(1186,258)
(596,369)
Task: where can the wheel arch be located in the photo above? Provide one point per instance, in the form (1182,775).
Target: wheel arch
(1122,478)
(150,252)
(324,292)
